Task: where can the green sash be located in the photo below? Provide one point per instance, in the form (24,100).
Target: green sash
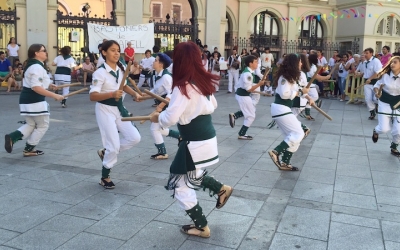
(296,100)
(29,96)
(63,71)
(389,99)
(66,57)
(285,102)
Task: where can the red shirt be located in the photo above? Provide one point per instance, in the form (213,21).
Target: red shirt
(128,52)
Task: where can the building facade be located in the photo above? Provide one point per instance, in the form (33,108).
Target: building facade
(220,23)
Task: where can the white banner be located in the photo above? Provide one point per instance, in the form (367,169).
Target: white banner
(141,36)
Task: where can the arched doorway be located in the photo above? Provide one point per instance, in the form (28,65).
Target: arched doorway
(174,22)
(266,32)
(311,32)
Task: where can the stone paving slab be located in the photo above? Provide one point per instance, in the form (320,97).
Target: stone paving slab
(345,196)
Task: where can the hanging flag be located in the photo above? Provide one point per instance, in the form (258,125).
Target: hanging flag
(324,16)
(342,16)
(291,18)
(369,15)
(319,17)
(362,15)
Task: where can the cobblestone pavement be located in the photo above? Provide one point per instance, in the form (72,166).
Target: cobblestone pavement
(346,196)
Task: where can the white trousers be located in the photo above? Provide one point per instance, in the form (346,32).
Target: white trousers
(297,111)
(142,78)
(385,125)
(109,122)
(35,128)
(370,98)
(233,76)
(313,93)
(157,132)
(291,128)
(185,195)
(58,81)
(247,107)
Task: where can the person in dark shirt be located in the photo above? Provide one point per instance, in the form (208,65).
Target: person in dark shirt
(206,51)
(5,66)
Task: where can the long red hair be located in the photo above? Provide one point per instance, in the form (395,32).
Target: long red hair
(188,68)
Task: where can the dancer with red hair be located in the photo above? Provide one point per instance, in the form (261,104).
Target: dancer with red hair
(191,105)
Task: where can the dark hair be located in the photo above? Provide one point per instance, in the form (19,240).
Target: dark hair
(106,45)
(156,49)
(147,51)
(205,46)
(386,47)
(304,49)
(267,48)
(33,49)
(9,42)
(320,50)
(387,68)
(66,50)
(305,66)
(188,68)
(370,50)
(256,55)
(289,69)
(313,59)
(349,52)
(396,54)
(1,53)
(337,51)
(170,53)
(249,59)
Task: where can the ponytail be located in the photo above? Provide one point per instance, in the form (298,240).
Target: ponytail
(119,64)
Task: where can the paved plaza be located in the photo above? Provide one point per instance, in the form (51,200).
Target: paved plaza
(345,196)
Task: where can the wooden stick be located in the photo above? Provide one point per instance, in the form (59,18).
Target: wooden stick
(122,84)
(261,93)
(76,92)
(156,96)
(135,86)
(147,97)
(314,76)
(362,85)
(143,121)
(322,112)
(135,118)
(396,106)
(265,74)
(69,85)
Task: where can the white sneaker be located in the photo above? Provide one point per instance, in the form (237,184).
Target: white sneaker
(245,137)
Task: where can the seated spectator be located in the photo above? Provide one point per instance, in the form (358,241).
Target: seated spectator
(135,71)
(5,67)
(87,70)
(15,79)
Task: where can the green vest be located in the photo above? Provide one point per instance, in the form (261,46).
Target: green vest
(28,95)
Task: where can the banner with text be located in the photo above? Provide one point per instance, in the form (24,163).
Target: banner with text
(141,36)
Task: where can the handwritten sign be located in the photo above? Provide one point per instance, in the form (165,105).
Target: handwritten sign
(141,36)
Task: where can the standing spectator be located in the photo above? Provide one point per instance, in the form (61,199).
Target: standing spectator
(323,63)
(5,67)
(12,50)
(342,77)
(100,59)
(88,69)
(304,51)
(156,50)
(332,60)
(129,53)
(214,68)
(244,53)
(205,50)
(281,60)
(233,68)
(216,50)
(266,62)
(204,60)
(385,55)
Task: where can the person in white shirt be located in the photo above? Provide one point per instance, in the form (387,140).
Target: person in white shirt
(332,60)
(191,106)
(109,110)
(146,65)
(323,63)
(214,68)
(372,66)
(65,65)
(12,50)
(266,59)
(233,68)
(388,117)
(342,75)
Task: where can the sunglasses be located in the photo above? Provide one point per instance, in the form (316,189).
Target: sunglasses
(42,50)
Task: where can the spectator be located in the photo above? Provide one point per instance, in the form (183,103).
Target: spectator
(100,59)
(12,50)
(216,51)
(205,50)
(16,78)
(304,51)
(244,53)
(5,67)
(156,50)
(214,68)
(332,60)
(16,63)
(266,62)
(88,69)
(280,60)
(343,72)
(135,71)
(129,53)
(385,55)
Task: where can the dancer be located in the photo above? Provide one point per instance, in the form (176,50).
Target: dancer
(192,103)
(65,64)
(372,66)
(313,60)
(32,103)
(243,91)
(105,90)
(388,117)
(288,74)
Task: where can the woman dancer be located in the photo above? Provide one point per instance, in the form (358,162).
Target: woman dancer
(105,91)
(388,117)
(288,76)
(32,103)
(192,103)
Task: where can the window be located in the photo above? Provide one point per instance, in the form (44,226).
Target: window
(266,24)
(388,26)
(310,30)
(176,10)
(156,10)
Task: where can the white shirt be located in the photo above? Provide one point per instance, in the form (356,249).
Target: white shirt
(61,62)
(391,86)
(285,89)
(266,60)
(12,51)
(183,110)
(372,66)
(361,67)
(170,68)
(36,76)
(147,63)
(245,80)
(100,61)
(322,61)
(344,72)
(104,82)
(331,62)
(163,85)
(311,73)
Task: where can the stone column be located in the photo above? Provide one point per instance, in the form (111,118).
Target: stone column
(134,15)
(214,24)
(52,30)
(120,12)
(291,25)
(37,22)
(21,30)
(243,16)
